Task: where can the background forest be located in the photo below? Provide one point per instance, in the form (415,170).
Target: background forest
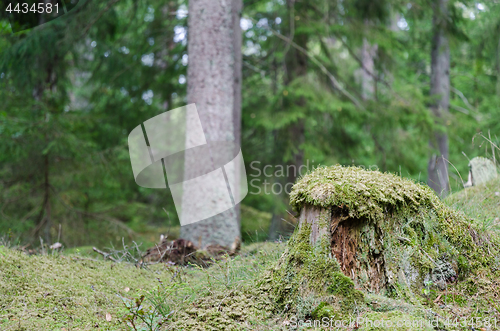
(324,82)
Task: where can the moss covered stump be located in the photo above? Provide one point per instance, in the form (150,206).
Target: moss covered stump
(367,231)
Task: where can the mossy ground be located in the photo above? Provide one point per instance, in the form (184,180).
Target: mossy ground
(481,203)
(75,292)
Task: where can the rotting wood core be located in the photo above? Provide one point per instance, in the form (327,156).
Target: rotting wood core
(356,245)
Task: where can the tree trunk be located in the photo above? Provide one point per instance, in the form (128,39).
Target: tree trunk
(498,67)
(44,218)
(214,78)
(368,52)
(440,90)
(237,44)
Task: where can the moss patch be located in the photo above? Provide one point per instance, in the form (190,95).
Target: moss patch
(75,293)
(363,193)
(394,320)
(52,292)
(414,208)
(237,309)
(305,271)
(481,203)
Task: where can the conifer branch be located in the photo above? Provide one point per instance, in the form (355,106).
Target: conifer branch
(320,65)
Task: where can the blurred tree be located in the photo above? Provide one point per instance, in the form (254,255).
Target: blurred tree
(440,92)
(214,86)
(108,66)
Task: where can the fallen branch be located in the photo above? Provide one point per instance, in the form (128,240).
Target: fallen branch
(104,254)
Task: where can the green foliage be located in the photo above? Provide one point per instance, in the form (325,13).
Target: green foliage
(74,88)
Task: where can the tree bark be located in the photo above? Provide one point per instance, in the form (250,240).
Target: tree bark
(440,90)
(214,78)
(368,52)
(237,7)
(44,218)
(498,67)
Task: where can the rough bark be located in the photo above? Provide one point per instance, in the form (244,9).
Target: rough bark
(498,67)
(237,44)
(44,219)
(440,92)
(213,71)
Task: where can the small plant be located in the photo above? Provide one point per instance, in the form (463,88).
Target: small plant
(428,291)
(152,312)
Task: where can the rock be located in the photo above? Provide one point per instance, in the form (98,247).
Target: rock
(481,170)
(56,245)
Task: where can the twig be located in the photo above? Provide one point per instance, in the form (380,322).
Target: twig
(462,96)
(104,254)
(404,239)
(218,307)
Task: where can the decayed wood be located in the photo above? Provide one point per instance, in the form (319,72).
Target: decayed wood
(349,240)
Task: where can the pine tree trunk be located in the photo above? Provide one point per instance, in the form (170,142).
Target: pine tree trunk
(368,52)
(214,80)
(440,92)
(237,44)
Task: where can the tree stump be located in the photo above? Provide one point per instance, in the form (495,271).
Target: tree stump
(374,232)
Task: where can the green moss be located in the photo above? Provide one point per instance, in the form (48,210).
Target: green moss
(51,292)
(363,193)
(324,310)
(393,320)
(305,270)
(480,202)
(224,310)
(342,285)
(392,202)
(75,293)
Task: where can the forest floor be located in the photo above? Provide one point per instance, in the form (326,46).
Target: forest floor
(77,290)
